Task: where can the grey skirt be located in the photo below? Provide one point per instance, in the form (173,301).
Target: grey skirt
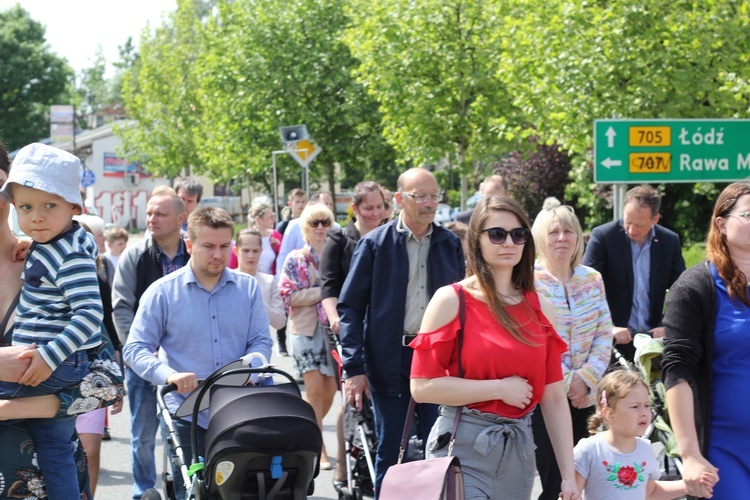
(496,453)
(312,353)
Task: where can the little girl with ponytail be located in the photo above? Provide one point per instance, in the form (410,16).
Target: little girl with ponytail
(618,463)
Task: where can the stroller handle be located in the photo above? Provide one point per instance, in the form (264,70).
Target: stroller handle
(203,387)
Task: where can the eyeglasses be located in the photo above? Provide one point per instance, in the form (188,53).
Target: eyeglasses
(744,216)
(422,198)
(320,222)
(498,235)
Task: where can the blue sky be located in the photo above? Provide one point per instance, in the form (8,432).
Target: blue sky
(76,27)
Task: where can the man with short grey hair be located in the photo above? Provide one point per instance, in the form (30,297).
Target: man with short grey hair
(394,272)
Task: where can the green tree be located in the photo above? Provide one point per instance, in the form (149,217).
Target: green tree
(160,93)
(94,90)
(32,78)
(126,66)
(432,66)
(573,62)
(268,64)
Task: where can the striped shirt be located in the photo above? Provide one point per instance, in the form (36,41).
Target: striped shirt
(60,308)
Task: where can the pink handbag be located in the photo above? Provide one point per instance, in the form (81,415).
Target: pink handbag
(434,478)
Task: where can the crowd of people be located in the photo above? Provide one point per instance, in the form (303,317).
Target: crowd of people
(507,325)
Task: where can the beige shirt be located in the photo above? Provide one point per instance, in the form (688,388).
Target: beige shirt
(271,299)
(416,291)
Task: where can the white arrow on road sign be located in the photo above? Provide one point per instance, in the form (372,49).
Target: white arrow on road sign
(610,137)
(611,163)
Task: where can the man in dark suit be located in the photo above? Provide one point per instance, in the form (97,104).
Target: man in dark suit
(493,185)
(638,260)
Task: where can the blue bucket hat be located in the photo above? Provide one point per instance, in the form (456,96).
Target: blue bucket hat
(47,169)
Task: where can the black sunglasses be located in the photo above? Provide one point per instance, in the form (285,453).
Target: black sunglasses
(324,222)
(498,235)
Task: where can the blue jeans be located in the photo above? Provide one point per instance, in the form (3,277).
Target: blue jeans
(53,436)
(143,425)
(183,431)
(390,415)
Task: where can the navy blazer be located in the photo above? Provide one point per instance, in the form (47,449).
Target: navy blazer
(372,303)
(608,251)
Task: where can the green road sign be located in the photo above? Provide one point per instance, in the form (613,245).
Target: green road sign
(634,151)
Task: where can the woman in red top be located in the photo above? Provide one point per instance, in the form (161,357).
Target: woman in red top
(511,361)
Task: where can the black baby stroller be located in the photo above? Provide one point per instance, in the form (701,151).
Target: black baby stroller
(262,441)
(361,443)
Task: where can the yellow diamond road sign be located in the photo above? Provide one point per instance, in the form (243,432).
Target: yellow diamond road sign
(304,151)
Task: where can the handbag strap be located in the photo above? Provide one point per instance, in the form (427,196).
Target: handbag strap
(413,404)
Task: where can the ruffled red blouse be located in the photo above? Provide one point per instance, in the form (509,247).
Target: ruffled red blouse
(490,352)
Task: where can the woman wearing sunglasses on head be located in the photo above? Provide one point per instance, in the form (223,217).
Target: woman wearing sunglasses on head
(511,356)
(582,320)
(300,288)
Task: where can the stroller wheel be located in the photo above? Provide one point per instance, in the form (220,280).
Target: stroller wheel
(311,488)
(151,494)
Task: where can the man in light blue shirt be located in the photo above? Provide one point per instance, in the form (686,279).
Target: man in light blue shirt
(199,318)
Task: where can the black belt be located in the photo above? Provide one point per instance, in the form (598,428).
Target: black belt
(406,338)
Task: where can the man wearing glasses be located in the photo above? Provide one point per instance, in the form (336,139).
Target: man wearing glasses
(395,270)
(638,260)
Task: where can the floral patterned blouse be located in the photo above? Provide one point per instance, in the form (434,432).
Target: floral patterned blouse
(583,321)
(20,476)
(301,271)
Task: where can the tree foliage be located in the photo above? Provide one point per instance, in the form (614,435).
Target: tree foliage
(535,175)
(269,64)
(574,62)
(454,79)
(160,93)
(32,78)
(432,66)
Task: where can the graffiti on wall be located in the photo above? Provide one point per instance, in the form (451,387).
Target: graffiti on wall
(125,208)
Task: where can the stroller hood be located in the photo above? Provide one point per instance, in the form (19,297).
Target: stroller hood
(264,419)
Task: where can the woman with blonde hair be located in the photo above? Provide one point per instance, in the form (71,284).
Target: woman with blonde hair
(582,320)
(510,354)
(262,218)
(300,287)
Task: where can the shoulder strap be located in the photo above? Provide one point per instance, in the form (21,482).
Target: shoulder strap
(8,314)
(413,404)
(462,319)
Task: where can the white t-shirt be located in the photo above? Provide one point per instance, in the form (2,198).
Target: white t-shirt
(114,259)
(611,475)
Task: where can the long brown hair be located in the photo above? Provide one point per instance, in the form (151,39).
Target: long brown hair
(717,249)
(523,272)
